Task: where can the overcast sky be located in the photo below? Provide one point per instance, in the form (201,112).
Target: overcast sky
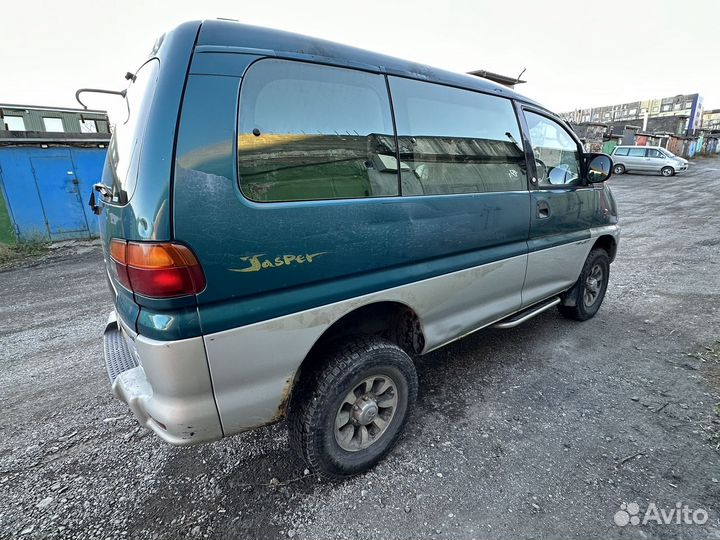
(577,54)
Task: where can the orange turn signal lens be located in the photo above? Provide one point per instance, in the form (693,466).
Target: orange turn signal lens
(118,250)
(157,256)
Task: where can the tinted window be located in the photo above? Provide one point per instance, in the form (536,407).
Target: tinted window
(636,152)
(557,158)
(314,132)
(621,151)
(456,141)
(124,148)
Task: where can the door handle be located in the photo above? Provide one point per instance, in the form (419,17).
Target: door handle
(543,210)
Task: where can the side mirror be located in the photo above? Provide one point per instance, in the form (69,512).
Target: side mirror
(599,167)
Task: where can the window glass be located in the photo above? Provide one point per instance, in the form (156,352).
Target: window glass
(636,152)
(456,141)
(621,151)
(652,152)
(88,126)
(314,132)
(556,153)
(14,123)
(53,124)
(124,148)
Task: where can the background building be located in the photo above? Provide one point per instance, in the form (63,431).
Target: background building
(711,119)
(49,159)
(680,115)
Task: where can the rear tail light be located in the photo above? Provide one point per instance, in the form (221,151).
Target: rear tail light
(156,270)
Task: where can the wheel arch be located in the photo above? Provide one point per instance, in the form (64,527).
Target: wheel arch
(608,243)
(395,321)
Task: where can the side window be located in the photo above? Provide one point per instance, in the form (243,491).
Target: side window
(621,151)
(636,152)
(309,132)
(14,123)
(88,126)
(124,149)
(652,152)
(53,124)
(456,141)
(556,153)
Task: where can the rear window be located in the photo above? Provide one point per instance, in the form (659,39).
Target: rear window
(621,151)
(126,142)
(309,132)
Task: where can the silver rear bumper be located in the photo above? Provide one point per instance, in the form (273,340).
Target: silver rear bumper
(165,383)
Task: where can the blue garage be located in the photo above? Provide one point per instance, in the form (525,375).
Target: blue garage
(49,160)
(46,191)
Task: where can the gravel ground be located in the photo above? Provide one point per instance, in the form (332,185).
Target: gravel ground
(541,431)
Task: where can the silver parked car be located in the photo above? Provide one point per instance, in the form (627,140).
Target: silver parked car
(647,158)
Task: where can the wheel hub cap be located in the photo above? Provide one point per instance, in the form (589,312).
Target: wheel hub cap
(593,285)
(365,413)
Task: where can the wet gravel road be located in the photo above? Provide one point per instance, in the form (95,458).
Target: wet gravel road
(541,431)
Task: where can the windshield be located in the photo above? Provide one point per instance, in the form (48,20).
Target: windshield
(126,143)
(667,153)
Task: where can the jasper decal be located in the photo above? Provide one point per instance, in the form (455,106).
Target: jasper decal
(259,262)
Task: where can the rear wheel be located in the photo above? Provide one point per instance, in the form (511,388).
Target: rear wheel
(346,416)
(589,290)
(667,171)
(619,169)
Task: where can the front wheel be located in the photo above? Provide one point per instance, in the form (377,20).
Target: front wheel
(619,169)
(589,291)
(667,171)
(348,414)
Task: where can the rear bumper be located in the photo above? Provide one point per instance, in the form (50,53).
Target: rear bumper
(166,384)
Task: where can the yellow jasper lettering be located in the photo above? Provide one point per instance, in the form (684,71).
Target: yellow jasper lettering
(259,262)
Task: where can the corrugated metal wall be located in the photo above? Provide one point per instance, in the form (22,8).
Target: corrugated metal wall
(46,190)
(71,120)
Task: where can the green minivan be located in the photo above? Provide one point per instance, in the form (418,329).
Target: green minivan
(287,222)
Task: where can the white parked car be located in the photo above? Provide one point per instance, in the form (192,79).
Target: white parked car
(647,158)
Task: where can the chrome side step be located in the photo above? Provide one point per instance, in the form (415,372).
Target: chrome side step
(527,314)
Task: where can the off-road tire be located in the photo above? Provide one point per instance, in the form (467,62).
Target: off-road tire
(581,311)
(321,392)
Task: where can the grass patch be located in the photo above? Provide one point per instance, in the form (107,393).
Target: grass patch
(22,252)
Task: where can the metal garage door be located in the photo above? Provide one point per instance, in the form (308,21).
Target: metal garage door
(60,195)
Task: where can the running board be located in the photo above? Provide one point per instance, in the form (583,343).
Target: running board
(527,314)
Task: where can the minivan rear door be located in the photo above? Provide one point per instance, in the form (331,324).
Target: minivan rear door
(637,160)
